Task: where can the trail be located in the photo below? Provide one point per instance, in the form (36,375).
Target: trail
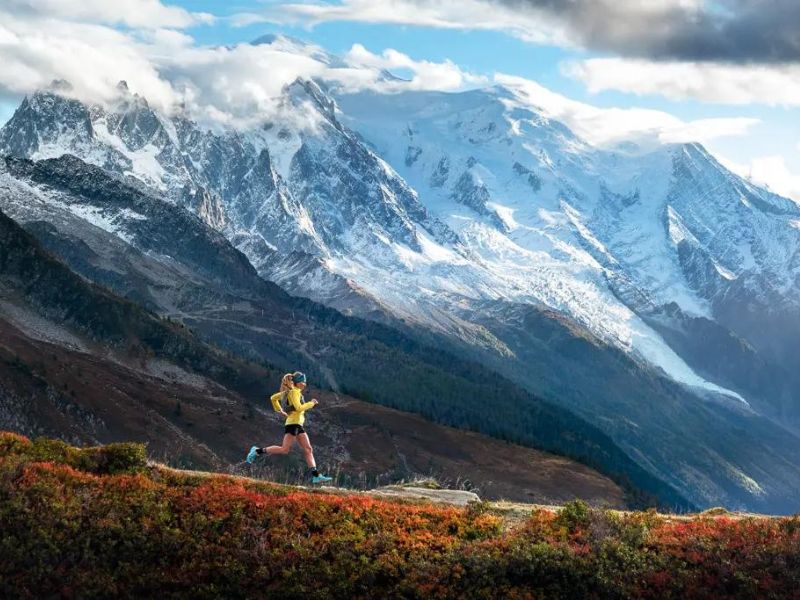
(326,371)
(512,513)
(323,368)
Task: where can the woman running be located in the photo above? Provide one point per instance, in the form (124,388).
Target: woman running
(292,386)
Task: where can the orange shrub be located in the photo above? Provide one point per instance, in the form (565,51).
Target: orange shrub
(71,528)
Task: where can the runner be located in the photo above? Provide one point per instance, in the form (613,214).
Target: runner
(292,386)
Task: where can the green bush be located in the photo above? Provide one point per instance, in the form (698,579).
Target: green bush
(110,459)
(574,516)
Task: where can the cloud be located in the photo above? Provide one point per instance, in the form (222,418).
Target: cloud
(228,85)
(739,31)
(708,82)
(610,126)
(441,14)
(426,75)
(735,31)
(215,84)
(132,13)
(239,85)
(771,172)
(724,51)
(34,51)
(243,84)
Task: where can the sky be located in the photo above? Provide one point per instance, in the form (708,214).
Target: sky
(725,73)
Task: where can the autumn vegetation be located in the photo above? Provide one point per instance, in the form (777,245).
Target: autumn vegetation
(103,522)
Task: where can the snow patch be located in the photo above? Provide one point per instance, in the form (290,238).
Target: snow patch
(678,232)
(112,222)
(505,213)
(144,161)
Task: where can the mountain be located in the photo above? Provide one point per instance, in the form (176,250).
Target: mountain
(80,363)
(610,239)
(146,249)
(625,286)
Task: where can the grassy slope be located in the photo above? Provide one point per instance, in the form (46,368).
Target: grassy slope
(100,522)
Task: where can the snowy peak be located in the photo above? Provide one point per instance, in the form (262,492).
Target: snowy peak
(292,45)
(693,161)
(589,232)
(300,181)
(45,116)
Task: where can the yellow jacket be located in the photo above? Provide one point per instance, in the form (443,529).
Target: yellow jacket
(295,406)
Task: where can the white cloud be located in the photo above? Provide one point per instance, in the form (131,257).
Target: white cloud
(739,31)
(774,172)
(608,126)
(755,47)
(235,85)
(133,13)
(771,172)
(541,27)
(773,85)
(229,85)
(427,75)
(34,51)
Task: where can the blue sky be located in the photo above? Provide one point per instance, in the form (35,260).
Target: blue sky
(486,52)
(769,148)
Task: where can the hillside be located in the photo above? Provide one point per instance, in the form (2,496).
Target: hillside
(154,267)
(79,363)
(190,421)
(100,522)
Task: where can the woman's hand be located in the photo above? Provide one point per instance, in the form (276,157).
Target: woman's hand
(283,413)
(314,401)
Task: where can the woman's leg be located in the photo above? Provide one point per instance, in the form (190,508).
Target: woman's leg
(288,442)
(308,452)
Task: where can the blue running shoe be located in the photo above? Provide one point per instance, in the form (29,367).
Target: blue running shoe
(321,479)
(251,456)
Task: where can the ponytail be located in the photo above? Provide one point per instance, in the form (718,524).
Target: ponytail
(286,382)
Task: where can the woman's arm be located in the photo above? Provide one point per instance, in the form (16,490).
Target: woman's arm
(306,405)
(294,400)
(275,399)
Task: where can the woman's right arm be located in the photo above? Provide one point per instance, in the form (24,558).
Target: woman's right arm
(294,399)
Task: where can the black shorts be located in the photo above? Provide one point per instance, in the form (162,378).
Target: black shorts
(294,429)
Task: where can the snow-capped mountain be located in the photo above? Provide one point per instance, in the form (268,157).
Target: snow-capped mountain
(317,190)
(476,217)
(608,238)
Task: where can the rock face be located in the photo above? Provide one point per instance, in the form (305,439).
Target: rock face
(624,285)
(453,497)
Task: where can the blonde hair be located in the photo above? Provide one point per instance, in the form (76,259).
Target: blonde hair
(286,382)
